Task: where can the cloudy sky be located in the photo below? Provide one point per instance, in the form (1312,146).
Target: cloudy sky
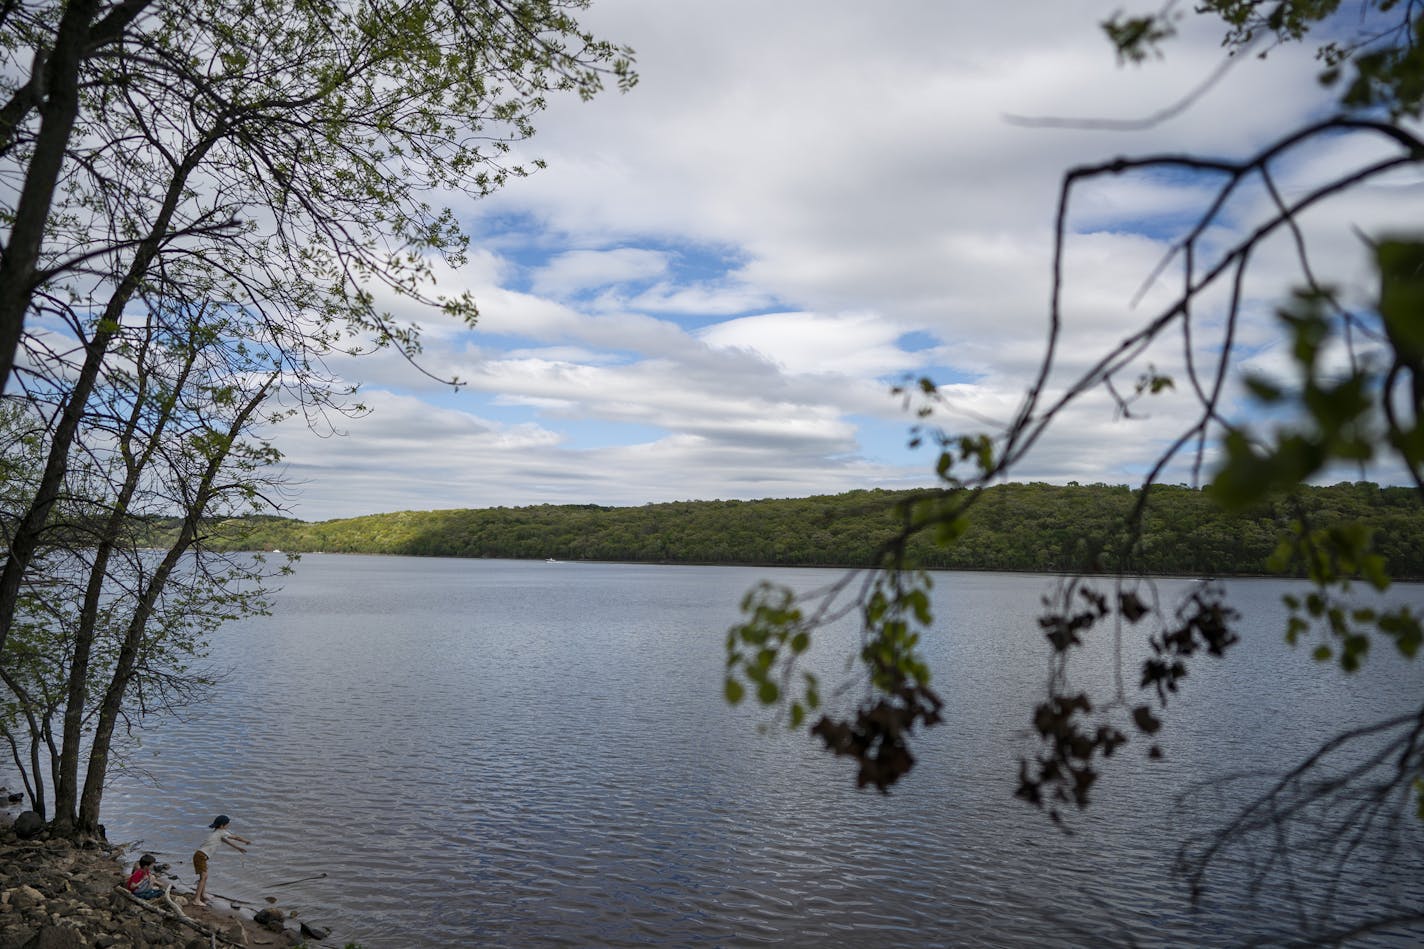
(713,287)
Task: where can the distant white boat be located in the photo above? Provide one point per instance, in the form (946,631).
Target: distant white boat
(551,560)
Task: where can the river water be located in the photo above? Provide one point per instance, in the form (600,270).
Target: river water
(502,753)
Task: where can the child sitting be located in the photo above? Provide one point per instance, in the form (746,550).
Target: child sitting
(141,882)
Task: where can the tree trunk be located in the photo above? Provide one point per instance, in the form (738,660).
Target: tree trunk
(112,704)
(34,776)
(27,97)
(27,230)
(26,538)
(66,789)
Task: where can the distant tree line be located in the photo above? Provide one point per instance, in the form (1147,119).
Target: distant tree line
(1016,527)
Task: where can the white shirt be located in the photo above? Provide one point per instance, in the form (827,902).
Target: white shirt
(214,840)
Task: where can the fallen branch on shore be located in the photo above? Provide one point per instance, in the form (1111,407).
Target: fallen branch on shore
(212,933)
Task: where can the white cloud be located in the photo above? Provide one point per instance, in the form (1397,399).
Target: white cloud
(859,344)
(703,293)
(699,299)
(576,270)
(392,458)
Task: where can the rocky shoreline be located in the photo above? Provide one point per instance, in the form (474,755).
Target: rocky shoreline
(57,893)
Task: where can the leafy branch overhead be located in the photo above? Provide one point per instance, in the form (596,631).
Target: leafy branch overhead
(1370,51)
(1351,398)
(764,652)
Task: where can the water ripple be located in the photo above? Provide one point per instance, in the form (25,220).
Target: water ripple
(504,754)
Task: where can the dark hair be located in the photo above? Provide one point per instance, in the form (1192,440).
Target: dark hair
(147,860)
(219,821)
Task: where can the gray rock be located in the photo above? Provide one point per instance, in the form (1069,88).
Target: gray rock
(28,825)
(25,896)
(57,937)
(314,932)
(16,937)
(271,919)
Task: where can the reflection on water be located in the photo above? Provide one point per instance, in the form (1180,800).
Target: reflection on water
(506,753)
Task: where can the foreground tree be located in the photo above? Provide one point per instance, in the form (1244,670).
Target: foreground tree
(109,629)
(207,194)
(1357,398)
(285,152)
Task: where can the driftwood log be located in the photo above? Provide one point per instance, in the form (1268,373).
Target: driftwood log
(174,911)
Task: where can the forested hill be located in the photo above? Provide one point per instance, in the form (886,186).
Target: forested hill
(1023,527)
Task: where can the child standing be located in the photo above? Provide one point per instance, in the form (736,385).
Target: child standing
(141,882)
(219,835)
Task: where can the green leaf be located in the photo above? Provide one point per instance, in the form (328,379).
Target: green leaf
(948,531)
(1263,389)
(1352,652)
(1131,607)
(733,691)
(813,694)
(919,604)
(1137,37)
(1405,628)
(1401,268)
